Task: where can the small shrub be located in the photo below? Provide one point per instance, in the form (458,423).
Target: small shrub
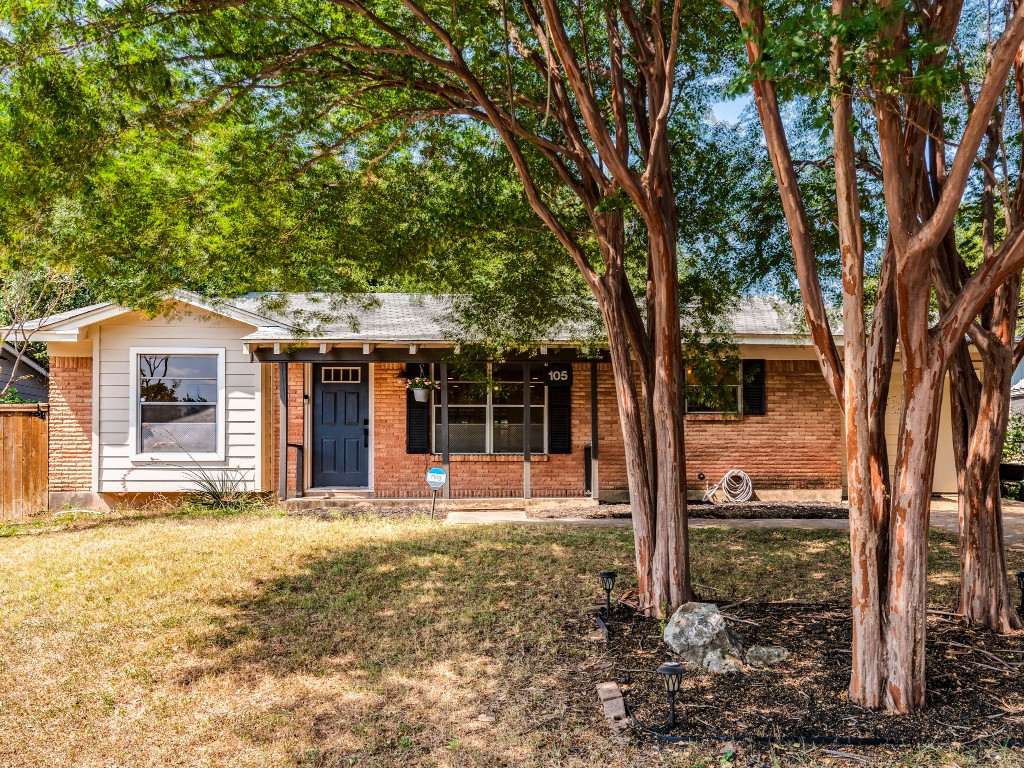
(1013,448)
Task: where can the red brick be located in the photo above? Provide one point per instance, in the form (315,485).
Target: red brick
(70,424)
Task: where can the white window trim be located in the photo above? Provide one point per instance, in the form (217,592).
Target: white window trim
(134,411)
(435,402)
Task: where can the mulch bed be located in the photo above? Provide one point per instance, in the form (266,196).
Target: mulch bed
(771,510)
(750,510)
(570,509)
(975,681)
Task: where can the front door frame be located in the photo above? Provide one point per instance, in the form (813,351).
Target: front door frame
(313,380)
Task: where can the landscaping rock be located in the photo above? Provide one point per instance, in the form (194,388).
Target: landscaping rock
(698,634)
(719,663)
(766,655)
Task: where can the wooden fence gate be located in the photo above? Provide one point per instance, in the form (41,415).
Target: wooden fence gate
(24,448)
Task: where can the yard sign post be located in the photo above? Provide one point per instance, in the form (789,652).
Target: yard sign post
(436,478)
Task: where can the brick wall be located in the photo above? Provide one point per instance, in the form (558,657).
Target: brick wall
(296,424)
(70,424)
(396,474)
(795,445)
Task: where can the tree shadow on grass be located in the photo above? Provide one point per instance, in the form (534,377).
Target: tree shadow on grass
(440,645)
(457,645)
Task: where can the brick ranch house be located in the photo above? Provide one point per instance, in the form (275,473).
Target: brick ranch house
(241,387)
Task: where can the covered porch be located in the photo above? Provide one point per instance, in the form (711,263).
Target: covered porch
(344,425)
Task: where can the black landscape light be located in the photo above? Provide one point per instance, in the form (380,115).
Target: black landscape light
(608,584)
(1020,583)
(672,678)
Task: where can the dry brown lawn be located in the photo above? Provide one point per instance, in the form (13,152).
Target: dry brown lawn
(266,640)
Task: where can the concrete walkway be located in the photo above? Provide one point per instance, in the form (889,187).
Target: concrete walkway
(944,515)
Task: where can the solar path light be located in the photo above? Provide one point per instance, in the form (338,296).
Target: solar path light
(671,673)
(608,584)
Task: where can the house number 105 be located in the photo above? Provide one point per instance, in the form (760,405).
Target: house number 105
(559,376)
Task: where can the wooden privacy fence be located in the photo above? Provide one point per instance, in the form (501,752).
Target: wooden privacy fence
(24,447)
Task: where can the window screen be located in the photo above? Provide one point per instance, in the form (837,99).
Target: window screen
(485,410)
(178,403)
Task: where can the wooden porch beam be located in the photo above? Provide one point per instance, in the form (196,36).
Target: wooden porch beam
(594,436)
(526,430)
(282,443)
(445,463)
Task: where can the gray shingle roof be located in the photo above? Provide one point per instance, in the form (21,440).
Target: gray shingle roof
(399,317)
(62,317)
(419,318)
(411,317)
(767,316)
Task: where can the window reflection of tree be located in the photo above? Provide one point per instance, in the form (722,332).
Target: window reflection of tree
(153,382)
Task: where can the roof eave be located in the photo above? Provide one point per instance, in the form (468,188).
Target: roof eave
(70,328)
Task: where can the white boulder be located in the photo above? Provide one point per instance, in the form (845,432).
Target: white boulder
(698,634)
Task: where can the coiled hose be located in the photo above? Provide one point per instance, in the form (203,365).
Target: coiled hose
(736,486)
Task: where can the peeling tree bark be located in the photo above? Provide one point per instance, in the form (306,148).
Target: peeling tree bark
(589,118)
(984,591)
(889,530)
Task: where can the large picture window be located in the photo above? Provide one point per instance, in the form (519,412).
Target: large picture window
(485,410)
(178,403)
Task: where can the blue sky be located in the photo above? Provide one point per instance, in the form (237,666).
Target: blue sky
(729,111)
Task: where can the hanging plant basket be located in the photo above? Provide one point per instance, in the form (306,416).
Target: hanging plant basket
(421,387)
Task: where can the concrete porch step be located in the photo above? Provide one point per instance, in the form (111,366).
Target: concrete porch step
(336,493)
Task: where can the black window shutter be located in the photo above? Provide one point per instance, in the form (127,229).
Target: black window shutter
(755,398)
(559,419)
(417,422)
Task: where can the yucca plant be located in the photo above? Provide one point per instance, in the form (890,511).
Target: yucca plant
(220,488)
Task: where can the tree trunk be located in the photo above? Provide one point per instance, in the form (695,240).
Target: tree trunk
(659,515)
(907,601)
(635,448)
(984,592)
(865,675)
(671,565)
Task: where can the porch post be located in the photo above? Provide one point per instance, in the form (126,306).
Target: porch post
(526,430)
(282,442)
(447,490)
(594,493)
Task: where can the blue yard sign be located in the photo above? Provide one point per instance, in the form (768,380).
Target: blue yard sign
(436,478)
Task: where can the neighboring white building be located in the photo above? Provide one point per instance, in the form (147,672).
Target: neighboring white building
(1017,390)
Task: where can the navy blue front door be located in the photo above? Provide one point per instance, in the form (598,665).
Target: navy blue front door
(341,426)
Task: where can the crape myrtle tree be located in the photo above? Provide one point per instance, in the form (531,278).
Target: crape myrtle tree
(980,404)
(581,97)
(886,70)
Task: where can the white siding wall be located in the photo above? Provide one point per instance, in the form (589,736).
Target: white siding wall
(191,328)
(945,465)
